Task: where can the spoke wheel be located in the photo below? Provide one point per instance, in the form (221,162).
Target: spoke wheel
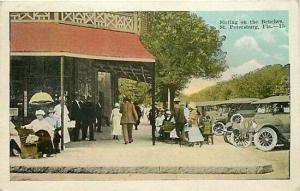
(218,128)
(227,137)
(241,140)
(265,139)
(236,118)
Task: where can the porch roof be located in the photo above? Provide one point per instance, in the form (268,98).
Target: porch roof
(130,58)
(32,38)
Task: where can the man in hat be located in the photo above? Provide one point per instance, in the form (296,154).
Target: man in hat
(54,122)
(89,119)
(153,113)
(76,115)
(180,119)
(128,119)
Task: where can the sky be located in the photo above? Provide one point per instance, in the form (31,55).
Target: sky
(247,49)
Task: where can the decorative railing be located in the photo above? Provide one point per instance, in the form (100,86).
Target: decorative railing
(119,21)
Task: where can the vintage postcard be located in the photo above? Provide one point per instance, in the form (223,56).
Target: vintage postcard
(153,95)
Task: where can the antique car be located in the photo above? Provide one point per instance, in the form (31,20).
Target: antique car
(271,124)
(237,110)
(217,112)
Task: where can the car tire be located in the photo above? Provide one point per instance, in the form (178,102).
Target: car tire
(240,140)
(236,117)
(265,139)
(218,128)
(227,137)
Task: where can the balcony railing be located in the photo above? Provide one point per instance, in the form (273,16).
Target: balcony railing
(118,21)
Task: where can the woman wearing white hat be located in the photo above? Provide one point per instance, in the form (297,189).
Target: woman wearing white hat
(115,119)
(40,125)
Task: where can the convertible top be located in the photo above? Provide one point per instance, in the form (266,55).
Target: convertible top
(273,99)
(209,103)
(230,101)
(240,100)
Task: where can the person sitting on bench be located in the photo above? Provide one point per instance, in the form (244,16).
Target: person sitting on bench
(42,129)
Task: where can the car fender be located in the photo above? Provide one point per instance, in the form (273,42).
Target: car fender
(259,126)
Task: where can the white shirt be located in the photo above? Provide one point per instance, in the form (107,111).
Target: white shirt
(186,113)
(43,124)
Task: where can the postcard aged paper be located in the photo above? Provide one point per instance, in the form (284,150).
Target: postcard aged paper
(155,95)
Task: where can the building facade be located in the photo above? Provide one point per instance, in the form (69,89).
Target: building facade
(96,49)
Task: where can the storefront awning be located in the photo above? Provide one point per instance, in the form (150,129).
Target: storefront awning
(54,39)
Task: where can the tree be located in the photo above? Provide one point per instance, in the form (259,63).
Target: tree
(138,91)
(185,47)
(268,81)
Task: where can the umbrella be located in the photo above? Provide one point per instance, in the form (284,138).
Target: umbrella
(41,98)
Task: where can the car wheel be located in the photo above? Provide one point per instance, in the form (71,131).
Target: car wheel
(241,139)
(265,139)
(236,118)
(227,137)
(218,128)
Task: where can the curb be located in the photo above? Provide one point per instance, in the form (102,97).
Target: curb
(145,170)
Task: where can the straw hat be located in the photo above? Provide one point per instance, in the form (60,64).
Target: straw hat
(176,99)
(40,112)
(193,106)
(117,104)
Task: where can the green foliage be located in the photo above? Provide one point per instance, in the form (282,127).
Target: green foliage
(184,47)
(265,82)
(138,91)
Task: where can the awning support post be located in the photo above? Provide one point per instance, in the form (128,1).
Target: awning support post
(62,101)
(153,104)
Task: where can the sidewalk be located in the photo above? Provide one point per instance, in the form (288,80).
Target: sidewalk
(107,156)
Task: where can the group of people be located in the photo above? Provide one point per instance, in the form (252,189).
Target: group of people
(186,119)
(84,116)
(87,116)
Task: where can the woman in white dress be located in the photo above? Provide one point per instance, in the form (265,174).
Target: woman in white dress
(115,120)
(67,121)
(194,133)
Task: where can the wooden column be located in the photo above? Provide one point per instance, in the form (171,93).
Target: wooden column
(62,101)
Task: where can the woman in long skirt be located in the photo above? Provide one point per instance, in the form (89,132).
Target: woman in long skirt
(115,120)
(194,133)
(67,120)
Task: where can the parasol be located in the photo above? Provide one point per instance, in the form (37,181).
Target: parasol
(41,98)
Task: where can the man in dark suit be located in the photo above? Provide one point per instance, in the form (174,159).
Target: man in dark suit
(139,113)
(89,119)
(99,116)
(76,115)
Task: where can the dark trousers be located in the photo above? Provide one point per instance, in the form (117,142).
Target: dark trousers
(179,130)
(56,141)
(13,145)
(99,122)
(76,131)
(88,125)
(45,146)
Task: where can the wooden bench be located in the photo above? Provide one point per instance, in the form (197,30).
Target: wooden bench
(28,150)
(166,128)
